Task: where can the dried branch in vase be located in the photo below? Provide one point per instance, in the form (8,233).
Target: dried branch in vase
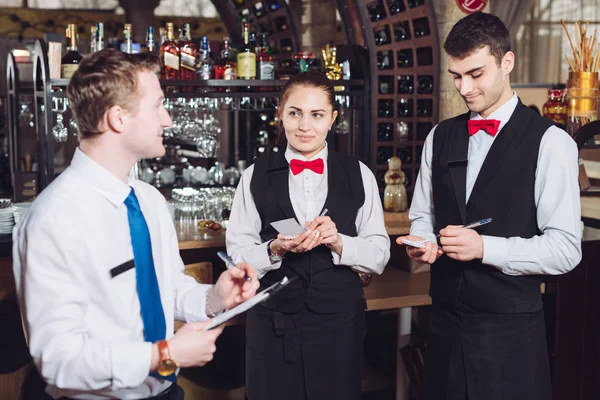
(586,50)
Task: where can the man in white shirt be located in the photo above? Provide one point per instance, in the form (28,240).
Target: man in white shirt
(501,161)
(96,260)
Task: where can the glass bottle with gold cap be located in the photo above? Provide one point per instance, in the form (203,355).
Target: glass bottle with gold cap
(246,57)
(70,61)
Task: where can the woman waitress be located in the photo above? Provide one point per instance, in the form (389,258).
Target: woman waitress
(307,341)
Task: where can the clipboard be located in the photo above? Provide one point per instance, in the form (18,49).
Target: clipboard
(248,304)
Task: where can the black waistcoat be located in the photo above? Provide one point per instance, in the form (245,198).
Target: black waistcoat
(323,286)
(504,191)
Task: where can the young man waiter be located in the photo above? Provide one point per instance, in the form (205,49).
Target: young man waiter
(502,161)
(96,261)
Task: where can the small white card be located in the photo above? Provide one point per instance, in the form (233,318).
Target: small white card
(414,243)
(289,228)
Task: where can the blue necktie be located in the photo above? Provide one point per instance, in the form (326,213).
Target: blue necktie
(153,315)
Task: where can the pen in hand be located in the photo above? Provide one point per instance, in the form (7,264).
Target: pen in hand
(230,264)
(474,224)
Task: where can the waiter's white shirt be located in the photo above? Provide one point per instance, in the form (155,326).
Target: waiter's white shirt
(368,252)
(85,328)
(558,249)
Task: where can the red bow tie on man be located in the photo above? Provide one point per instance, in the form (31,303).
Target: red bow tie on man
(298,166)
(489,125)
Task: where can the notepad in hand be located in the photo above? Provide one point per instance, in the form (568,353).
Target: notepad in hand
(414,243)
(289,228)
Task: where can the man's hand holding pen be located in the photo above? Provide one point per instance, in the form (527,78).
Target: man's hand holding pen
(232,288)
(461,243)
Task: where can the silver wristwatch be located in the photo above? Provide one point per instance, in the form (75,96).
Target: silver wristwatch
(273,257)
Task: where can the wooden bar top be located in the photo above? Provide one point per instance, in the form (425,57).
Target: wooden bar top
(192,237)
(397,288)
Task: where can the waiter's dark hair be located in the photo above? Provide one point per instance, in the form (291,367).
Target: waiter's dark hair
(476,31)
(309,79)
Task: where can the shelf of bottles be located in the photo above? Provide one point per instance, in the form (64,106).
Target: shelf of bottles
(273,18)
(199,91)
(405,89)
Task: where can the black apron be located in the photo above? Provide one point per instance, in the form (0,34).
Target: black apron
(478,355)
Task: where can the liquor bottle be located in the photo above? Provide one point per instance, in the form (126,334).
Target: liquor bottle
(401,31)
(405,84)
(385,132)
(187,57)
(225,67)
(376,11)
(205,64)
(127,45)
(382,36)
(405,108)
(266,65)
(405,58)
(205,67)
(150,45)
(383,155)
(169,56)
(396,6)
(100,36)
(246,58)
(93,39)
(425,84)
(385,60)
(70,61)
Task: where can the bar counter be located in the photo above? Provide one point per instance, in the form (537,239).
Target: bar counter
(191,237)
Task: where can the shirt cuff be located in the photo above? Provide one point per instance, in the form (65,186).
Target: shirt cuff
(495,253)
(123,373)
(263,259)
(195,304)
(347,257)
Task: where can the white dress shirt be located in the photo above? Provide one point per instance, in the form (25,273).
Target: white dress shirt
(558,249)
(368,252)
(85,328)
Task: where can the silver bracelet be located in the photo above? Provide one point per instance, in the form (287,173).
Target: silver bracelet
(209,311)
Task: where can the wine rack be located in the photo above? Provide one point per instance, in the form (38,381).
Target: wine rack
(271,16)
(402,41)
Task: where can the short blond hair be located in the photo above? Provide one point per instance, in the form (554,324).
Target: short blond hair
(105,79)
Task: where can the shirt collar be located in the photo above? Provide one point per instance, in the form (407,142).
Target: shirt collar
(291,153)
(108,185)
(503,113)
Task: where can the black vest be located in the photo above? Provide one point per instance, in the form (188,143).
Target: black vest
(323,286)
(504,191)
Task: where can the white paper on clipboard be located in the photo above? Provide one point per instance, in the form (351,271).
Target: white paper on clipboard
(248,304)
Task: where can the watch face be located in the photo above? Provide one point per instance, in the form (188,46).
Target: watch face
(167,367)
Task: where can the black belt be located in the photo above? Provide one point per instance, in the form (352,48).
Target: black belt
(164,395)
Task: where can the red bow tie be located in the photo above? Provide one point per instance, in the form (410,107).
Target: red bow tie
(298,166)
(489,125)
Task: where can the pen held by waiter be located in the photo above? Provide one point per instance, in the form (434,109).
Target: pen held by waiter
(230,263)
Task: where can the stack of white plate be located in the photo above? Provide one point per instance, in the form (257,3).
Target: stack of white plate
(19,209)
(7,220)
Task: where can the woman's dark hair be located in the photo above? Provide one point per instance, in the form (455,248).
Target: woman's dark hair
(309,79)
(476,31)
